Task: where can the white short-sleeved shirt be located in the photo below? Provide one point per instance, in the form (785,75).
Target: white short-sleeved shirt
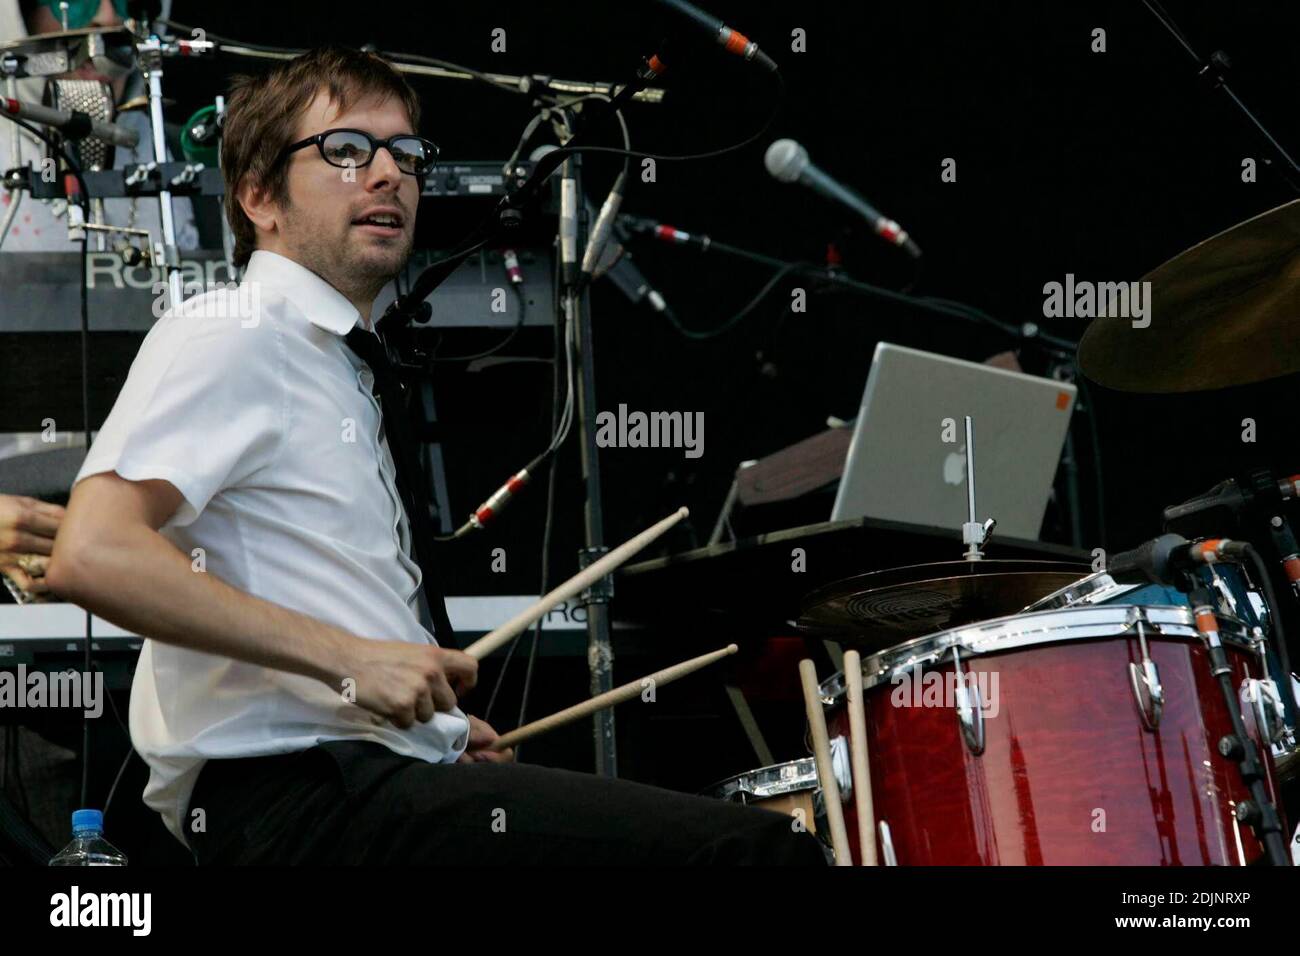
(250,403)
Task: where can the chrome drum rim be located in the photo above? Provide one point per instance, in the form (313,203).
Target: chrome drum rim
(1085,623)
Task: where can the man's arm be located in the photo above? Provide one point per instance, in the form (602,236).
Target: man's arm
(110,558)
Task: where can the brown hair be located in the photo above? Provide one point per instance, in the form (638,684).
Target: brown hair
(262,114)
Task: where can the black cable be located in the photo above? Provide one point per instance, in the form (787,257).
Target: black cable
(14,752)
(85,421)
(130,752)
(560,356)
(510,336)
(447,65)
(561,338)
(1278,635)
(839,279)
(530,129)
(918,263)
(533,649)
(729,324)
(57,147)
(622,125)
(209,35)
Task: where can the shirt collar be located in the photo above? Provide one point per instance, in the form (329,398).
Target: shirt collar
(322,304)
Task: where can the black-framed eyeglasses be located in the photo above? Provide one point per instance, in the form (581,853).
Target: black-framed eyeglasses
(354,148)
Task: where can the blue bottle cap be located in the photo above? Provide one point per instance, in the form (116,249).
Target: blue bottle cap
(86,821)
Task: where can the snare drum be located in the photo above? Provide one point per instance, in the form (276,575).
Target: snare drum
(1057,752)
(790,787)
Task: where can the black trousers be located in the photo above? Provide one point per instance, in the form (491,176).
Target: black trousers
(349,802)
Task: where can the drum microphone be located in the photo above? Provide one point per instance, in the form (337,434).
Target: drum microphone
(610,259)
(788,161)
(603,228)
(1162,559)
(74,124)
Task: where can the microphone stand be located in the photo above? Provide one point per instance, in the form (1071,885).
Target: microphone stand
(1250,504)
(577,310)
(1214,71)
(149,49)
(1258,813)
(15,155)
(1028,333)
(571,236)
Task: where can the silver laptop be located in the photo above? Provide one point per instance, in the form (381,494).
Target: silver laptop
(899,466)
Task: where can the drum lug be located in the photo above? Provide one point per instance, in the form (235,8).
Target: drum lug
(970,709)
(842,769)
(1261,698)
(1145,681)
(887,845)
(840,766)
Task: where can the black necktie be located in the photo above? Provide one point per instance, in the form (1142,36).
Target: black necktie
(410,487)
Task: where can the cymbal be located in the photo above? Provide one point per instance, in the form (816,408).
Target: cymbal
(1223,313)
(54,54)
(883,608)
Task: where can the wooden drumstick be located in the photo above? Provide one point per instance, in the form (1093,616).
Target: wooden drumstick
(488,643)
(858,759)
(608,699)
(812,700)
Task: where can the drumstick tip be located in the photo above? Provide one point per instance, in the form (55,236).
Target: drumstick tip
(732,648)
(683,512)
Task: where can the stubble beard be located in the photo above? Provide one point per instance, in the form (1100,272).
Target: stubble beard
(358,269)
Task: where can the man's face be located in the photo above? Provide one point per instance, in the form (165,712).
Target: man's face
(320,227)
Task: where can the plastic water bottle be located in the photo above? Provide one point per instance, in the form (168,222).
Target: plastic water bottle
(88,846)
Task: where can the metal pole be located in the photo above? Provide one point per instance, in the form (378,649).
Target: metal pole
(15,160)
(600,651)
(165,253)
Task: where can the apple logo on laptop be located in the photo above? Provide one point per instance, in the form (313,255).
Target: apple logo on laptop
(954,467)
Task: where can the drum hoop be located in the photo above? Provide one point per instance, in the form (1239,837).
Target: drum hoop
(1017,631)
(754,784)
(1094,586)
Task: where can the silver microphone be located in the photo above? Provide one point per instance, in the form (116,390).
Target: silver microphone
(788,162)
(69,123)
